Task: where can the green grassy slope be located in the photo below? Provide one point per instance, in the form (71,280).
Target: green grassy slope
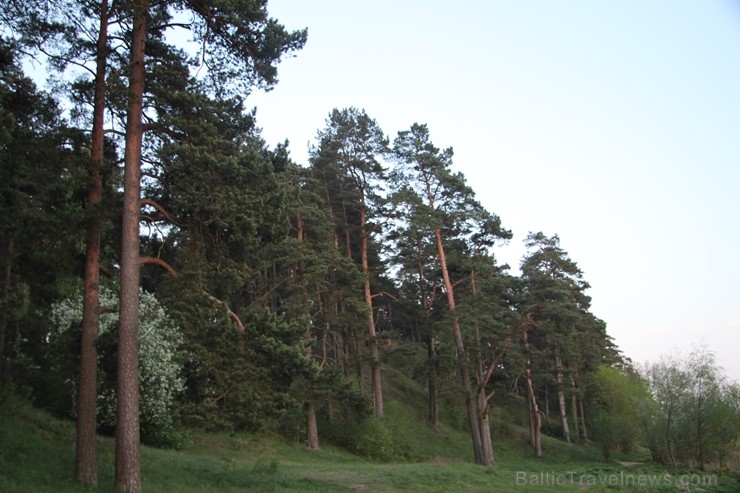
(37,455)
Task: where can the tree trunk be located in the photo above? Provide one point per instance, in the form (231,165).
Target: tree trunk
(7,272)
(356,353)
(462,355)
(699,434)
(535,420)
(128,460)
(347,242)
(485,430)
(312,430)
(87,393)
(481,398)
(668,436)
(346,350)
(373,337)
(583,419)
(574,408)
(433,400)
(426,302)
(561,397)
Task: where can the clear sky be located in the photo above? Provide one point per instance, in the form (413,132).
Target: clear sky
(614,124)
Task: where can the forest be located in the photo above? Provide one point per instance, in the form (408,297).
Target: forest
(165,270)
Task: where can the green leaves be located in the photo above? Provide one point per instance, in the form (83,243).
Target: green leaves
(697,417)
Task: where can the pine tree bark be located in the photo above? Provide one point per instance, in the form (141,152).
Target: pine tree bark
(462,355)
(128,460)
(433,400)
(87,393)
(583,420)
(312,429)
(483,376)
(377,384)
(426,301)
(535,420)
(561,397)
(485,430)
(574,408)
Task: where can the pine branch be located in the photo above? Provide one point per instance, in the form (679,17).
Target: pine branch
(164,265)
(169,217)
(528,322)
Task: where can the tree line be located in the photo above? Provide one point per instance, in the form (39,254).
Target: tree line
(153,240)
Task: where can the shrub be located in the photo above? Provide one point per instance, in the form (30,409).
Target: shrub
(160,380)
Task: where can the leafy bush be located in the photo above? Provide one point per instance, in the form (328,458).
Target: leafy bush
(621,396)
(160,366)
(695,421)
(374,439)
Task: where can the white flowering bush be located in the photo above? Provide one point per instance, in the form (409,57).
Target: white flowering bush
(160,361)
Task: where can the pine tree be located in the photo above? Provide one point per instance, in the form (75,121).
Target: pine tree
(353,145)
(235,36)
(555,296)
(447,209)
(41,165)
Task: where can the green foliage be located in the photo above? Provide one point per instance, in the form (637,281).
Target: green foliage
(242,43)
(616,422)
(41,178)
(235,380)
(373,439)
(697,418)
(248,235)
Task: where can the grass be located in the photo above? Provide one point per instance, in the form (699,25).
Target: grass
(37,455)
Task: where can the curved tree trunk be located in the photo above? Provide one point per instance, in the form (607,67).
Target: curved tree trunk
(128,460)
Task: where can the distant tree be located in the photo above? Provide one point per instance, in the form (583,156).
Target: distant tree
(668,382)
(723,424)
(568,343)
(41,172)
(353,144)
(445,206)
(413,254)
(310,279)
(697,419)
(620,396)
(555,289)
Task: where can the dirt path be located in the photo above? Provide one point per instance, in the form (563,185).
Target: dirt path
(630,464)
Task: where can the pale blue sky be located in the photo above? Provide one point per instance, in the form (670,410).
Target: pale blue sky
(615,124)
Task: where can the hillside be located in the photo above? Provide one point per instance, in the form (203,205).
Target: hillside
(37,455)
